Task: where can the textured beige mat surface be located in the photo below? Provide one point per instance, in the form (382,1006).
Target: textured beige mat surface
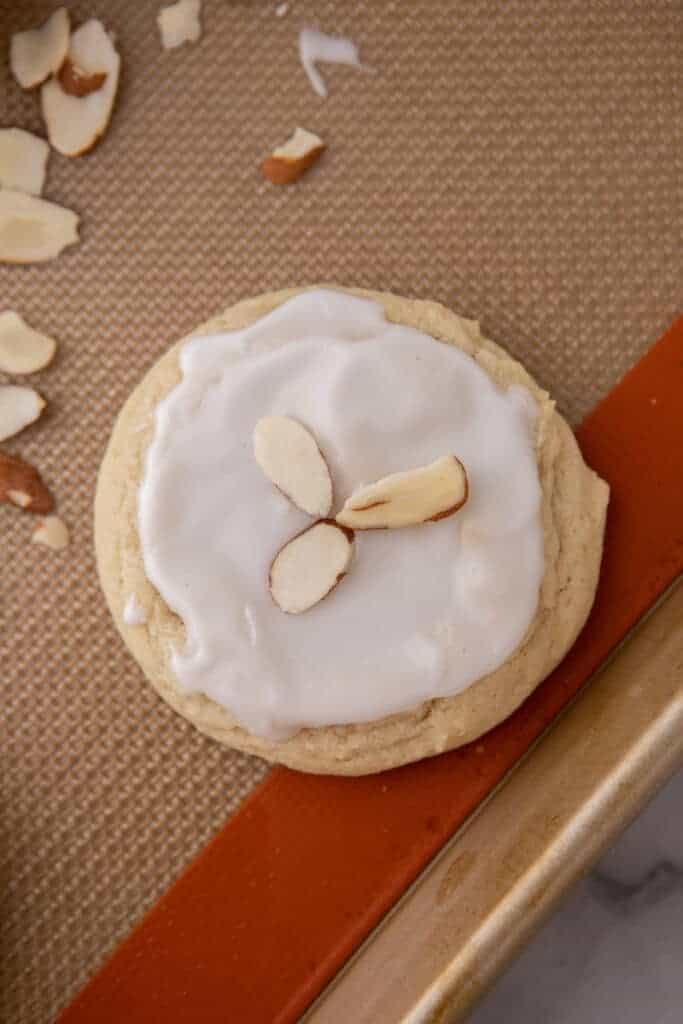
(520,161)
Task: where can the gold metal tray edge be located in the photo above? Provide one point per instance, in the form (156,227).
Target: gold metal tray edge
(500,876)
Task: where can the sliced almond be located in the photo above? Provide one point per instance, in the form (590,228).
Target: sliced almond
(287,163)
(23,350)
(309,566)
(19,407)
(179,23)
(77,82)
(52,532)
(289,456)
(75,121)
(33,230)
(406,499)
(23,161)
(22,485)
(38,53)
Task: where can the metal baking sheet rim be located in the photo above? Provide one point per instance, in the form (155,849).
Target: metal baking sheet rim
(496,880)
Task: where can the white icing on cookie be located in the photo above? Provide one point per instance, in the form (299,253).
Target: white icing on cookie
(426,610)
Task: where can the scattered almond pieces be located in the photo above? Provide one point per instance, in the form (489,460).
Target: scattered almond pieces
(33,230)
(52,532)
(22,485)
(407,499)
(19,407)
(290,457)
(77,82)
(179,23)
(23,350)
(23,161)
(281,10)
(77,120)
(309,566)
(287,163)
(38,53)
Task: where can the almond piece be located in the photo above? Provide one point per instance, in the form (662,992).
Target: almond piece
(38,53)
(289,456)
(315,46)
(309,566)
(76,122)
(23,350)
(287,163)
(19,407)
(33,230)
(77,82)
(23,161)
(407,499)
(179,23)
(52,532)
(22,485)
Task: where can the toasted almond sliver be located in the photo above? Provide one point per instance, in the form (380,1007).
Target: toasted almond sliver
(32,230)
(75,123)
(19,406)
(407,499)
(23,161)
(289,456)
(287,163)
(52,532)
(22,485)
(39,52)
(309,566)
(23,350)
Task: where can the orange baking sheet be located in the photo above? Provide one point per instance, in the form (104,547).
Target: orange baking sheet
(275,904)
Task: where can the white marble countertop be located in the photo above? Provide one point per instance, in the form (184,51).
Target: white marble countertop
(613,951)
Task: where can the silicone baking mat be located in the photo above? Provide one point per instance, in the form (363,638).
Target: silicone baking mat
(520,162)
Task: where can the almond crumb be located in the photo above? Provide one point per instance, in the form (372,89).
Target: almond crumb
(52,532)
(179,23)
(287,163)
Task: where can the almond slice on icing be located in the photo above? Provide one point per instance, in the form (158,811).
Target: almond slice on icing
(287,163)
(23,161)
(38,53)
(22,485)
(179,23)
(407,499)
(309,566)
(33,230)
(52,532)
(290,457)
(19,406)
(75,120)
(23,350)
